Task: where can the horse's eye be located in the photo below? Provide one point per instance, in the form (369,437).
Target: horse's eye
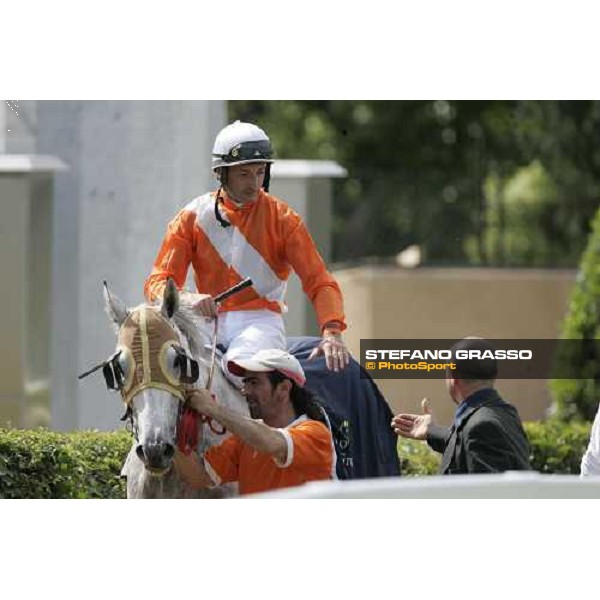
(171,360)
(124,361)
(123,368)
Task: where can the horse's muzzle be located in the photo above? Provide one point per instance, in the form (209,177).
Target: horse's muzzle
(156,456)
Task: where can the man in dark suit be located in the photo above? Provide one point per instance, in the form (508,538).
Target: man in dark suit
(487,435)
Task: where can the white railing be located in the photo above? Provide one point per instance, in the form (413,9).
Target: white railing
(516,484)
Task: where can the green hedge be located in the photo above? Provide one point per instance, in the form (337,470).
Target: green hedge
(556,447)
(45,464)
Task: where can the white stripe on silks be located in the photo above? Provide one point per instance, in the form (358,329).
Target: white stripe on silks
(237,252)
(220,237)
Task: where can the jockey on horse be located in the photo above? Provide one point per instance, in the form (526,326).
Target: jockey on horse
(239,233)
(242,231)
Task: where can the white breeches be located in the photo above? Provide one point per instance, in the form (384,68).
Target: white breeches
(244,332)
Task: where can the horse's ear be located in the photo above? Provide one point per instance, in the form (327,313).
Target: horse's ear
(114,307)
(170,303)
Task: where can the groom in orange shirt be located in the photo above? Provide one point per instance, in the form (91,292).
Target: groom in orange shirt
(285,442)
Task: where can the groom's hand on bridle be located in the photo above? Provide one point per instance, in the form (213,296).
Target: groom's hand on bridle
(201,400)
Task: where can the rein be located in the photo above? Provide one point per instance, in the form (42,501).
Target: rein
(213,357)
(188,431)
(219,298)
(188,438)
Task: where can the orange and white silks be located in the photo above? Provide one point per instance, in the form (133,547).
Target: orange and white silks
(266,240)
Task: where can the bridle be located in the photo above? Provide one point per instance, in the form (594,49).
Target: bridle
(144,340)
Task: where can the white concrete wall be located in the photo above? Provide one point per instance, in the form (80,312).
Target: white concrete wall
(449,303)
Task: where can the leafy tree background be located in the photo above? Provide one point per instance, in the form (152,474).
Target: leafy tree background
(498,183)
(580,353)
(503,183)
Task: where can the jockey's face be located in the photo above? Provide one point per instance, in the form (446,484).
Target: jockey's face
(264,401)
(244,181)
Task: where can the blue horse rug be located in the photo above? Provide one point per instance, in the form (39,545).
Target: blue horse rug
(359,414)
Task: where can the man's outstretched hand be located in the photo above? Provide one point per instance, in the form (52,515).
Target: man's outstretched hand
(414,426)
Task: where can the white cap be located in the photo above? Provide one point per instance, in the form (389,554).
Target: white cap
(270,360)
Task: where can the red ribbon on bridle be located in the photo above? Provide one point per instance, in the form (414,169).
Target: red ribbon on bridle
(188,433)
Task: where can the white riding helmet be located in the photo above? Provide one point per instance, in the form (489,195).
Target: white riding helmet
(239,144)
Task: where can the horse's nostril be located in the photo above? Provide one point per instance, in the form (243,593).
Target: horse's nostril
(155,454)
(140,452)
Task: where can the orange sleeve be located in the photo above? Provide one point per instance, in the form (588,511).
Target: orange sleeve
(174,256)
(318,284)
(223,461)
(311,447)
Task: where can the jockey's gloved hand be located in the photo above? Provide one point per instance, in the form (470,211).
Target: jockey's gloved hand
(202,304)
(333,348)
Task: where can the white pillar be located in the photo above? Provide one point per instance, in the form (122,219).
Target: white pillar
(3,126)
(134,164)
(26,193)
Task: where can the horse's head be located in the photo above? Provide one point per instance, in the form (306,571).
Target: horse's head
(151,368)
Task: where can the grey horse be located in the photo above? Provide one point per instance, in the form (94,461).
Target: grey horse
(158,347)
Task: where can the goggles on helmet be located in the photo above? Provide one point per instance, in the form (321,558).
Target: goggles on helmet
(248,151)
